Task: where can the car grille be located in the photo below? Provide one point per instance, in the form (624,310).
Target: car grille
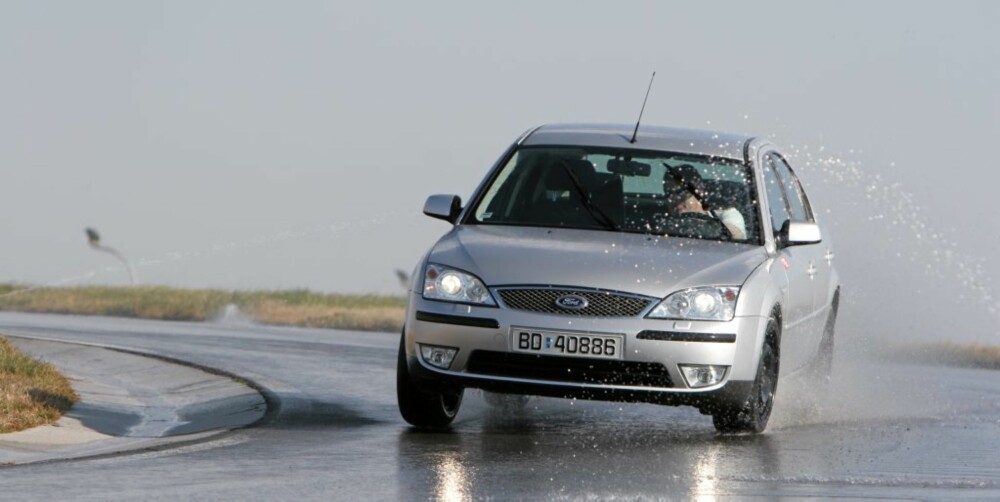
(568,369)
(599,303)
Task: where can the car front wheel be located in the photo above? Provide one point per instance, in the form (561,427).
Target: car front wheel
(434,410)
(753,415)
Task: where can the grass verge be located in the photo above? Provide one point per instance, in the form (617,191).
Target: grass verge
(962,355)
(284,308)
(32,393)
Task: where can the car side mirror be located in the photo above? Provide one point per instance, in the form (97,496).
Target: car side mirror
(795,233)
(443,207)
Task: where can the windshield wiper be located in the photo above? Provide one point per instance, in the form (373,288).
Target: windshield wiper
(595,211)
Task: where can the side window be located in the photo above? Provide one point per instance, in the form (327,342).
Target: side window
(775,196)
(793,190)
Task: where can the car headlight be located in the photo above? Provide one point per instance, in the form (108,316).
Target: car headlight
(448,284)
(702,304)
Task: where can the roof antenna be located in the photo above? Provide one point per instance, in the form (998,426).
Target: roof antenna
(636,131)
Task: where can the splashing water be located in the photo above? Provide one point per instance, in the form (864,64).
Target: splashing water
(232,316)
(903,229)
(904,282)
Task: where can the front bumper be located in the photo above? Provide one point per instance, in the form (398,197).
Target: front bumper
(486,330)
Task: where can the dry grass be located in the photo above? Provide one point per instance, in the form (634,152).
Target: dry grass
(31,393)
(967,355)
(322,316)
(142,302)
(285,308)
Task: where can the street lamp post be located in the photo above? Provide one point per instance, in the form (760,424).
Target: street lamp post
(95,242)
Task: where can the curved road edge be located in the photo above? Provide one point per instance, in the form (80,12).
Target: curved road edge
(132,400)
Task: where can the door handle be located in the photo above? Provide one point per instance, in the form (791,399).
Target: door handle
(811,270)
(828,257)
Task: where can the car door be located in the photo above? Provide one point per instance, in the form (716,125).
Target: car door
(818,257)
(795,260)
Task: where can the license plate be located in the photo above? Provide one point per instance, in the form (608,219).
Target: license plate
(557,343)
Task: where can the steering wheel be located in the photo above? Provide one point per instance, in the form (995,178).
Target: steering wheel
(699,220)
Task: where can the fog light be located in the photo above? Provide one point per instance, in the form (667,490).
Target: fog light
(440,357)
(703,375)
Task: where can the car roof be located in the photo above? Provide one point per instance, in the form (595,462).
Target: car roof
(650,137)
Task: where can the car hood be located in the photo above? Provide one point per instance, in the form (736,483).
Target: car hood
(636,263)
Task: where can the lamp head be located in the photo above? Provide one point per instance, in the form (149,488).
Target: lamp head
(93,237)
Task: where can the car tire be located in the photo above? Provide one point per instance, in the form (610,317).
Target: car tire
(433,410)
(753,414)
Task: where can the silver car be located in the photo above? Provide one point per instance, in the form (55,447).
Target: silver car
(676,267)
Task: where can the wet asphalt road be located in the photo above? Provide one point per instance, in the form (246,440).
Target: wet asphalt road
(889,431)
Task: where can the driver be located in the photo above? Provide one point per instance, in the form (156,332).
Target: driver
(685,192)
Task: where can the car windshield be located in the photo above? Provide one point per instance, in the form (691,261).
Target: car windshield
(623,190)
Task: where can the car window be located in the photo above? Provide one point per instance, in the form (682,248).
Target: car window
(776,201)
(626,190)
(491,194)
(649,185)
(797,203)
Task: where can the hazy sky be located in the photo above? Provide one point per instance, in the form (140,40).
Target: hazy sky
(292,144)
